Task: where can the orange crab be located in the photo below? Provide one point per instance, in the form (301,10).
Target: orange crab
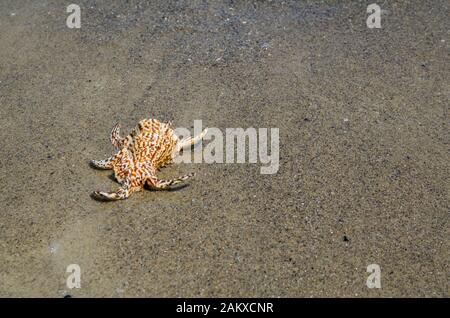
(150,146)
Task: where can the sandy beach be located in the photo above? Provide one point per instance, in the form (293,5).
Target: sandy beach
(363,119)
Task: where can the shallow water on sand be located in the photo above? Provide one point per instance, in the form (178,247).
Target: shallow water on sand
(363,119)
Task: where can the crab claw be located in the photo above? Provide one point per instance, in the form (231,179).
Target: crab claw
(121,194)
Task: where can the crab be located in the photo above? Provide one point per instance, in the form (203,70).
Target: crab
(150,146)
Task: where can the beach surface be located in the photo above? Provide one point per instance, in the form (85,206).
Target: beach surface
(363,118)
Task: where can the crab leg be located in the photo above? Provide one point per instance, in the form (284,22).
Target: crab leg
(162,184)
(189,141)
(121,194)
(116,140)
(103,164)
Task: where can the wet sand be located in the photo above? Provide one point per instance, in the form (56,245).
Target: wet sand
(364,148)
